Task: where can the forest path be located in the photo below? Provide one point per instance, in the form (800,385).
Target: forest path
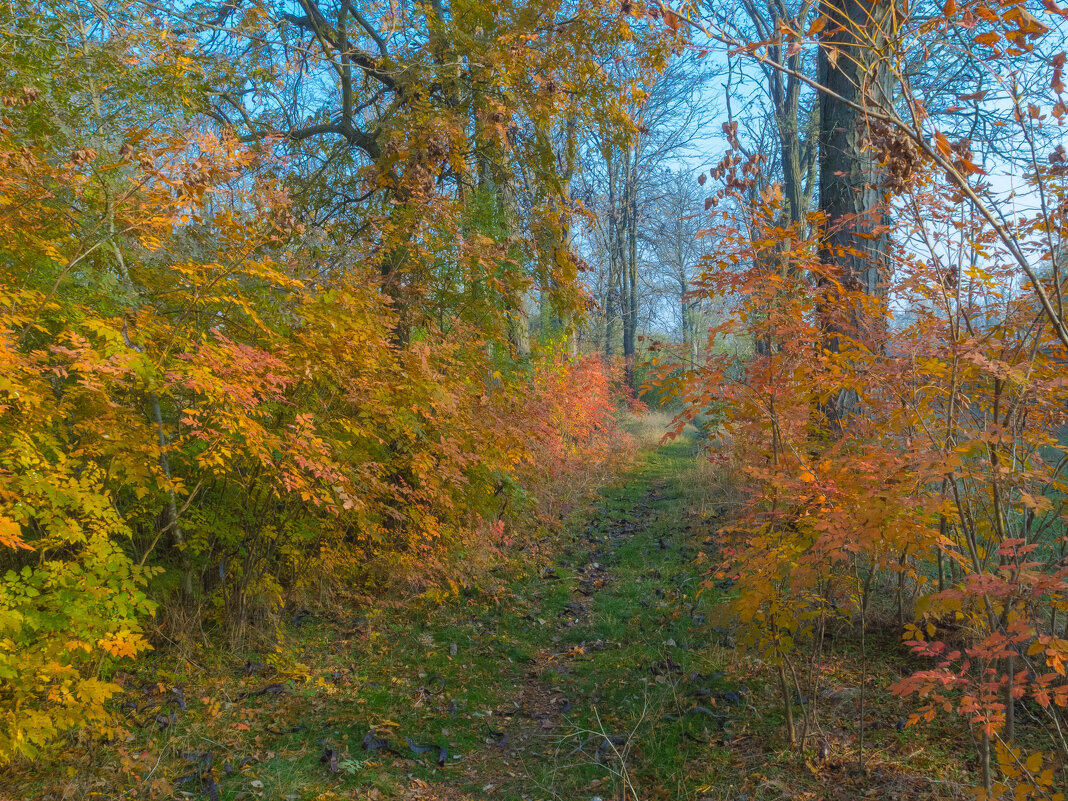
(619,692)
(590,670)
(593,668)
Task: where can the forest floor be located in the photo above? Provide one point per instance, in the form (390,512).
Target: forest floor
(599,673)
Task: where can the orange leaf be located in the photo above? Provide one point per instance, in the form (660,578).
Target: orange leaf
(11,534)
(942,143)
(817,25)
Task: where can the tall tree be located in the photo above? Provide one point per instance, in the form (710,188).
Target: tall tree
(408,108)
(786,102)
(855,83)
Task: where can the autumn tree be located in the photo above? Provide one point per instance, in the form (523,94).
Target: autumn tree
(787,101)
(675,243)
(259,270)
(866,515)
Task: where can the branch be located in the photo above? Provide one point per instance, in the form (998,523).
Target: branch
(356,15)
(224,11)
(367,142)
(315,23)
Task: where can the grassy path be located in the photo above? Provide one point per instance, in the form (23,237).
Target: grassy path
(618,687)
(575,679)
(596,677)
(601,674)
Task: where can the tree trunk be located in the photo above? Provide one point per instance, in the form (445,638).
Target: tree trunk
(793,172)
(855,243)
(851,194)
(630,297)
(684,315)
(613,300)
(518,315)
(630,346)
(519,330)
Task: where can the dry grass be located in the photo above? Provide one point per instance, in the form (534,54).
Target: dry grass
(648,428)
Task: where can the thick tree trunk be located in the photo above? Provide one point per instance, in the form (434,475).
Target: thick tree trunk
(555,321)
(855,242)
(851,194)
(518,315)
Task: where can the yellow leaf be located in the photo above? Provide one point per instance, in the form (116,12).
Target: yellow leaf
(1034,762)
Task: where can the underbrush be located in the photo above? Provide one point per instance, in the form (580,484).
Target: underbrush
(431,642)
(835,730)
